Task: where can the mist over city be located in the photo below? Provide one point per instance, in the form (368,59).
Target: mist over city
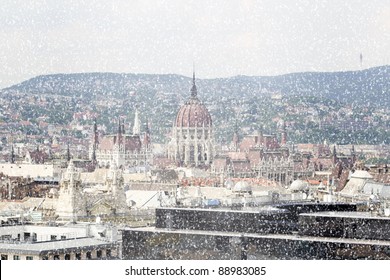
(195,130)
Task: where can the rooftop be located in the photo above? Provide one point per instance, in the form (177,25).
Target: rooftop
(354,215)
(42,247)
(291,237)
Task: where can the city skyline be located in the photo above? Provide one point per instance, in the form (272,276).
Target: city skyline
(222,39)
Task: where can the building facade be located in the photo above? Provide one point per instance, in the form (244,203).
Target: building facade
(192,141)
(125,150)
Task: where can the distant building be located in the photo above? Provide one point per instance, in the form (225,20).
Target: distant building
(261,155)
(362,186)
(284,231)
(70,242)
(192,142)
(30,170)
(125,150)
(75,202)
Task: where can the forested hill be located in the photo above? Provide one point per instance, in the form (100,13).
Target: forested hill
(367,86)
(341,107)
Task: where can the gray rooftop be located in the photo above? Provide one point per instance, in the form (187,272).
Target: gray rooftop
(60,245)
(354,215)
(267,236)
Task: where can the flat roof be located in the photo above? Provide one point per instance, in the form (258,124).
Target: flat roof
(60,245)
(265,236)
(346,214)
(260,210)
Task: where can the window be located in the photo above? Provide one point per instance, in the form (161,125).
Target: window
(78,256)
(99,254)
(89,255)
(56,257)
(45,258)
(67,256)
(26,236)
(53,237)
(16,257)
(6,237)
(29,258)
(4,257)
(63,237)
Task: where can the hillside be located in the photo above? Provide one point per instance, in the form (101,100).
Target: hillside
(313,103)
(370,85)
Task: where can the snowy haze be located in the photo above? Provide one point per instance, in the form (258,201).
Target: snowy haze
(222,38)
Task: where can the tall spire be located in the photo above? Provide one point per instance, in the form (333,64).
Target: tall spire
(68,155)
(137,125)
(119,126)
(194,91)
(12,154)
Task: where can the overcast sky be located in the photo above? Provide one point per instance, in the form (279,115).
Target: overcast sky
(223,38)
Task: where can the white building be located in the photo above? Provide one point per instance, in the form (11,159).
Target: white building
(69,242)
(71,202)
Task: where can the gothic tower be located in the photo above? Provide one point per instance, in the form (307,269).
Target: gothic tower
(71,203)
(116,188)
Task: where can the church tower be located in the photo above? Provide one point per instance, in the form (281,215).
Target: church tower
(116,188)
(71,203)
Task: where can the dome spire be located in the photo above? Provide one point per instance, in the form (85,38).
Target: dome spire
(194,91)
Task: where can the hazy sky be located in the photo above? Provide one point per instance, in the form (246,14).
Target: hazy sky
(222,38)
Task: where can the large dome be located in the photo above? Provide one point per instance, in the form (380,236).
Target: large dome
(299,185)
(193,113)
(242,187)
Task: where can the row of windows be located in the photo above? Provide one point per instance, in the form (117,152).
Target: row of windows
(19,167)
(88,256)
(15,257)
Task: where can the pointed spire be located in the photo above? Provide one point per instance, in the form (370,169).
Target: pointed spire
(137,125)
(94,126)
(95,134)
(68,156)
(119,126)
(12,154)
(94,155)
(194,91)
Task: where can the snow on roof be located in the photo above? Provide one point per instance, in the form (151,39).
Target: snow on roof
(362,174)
